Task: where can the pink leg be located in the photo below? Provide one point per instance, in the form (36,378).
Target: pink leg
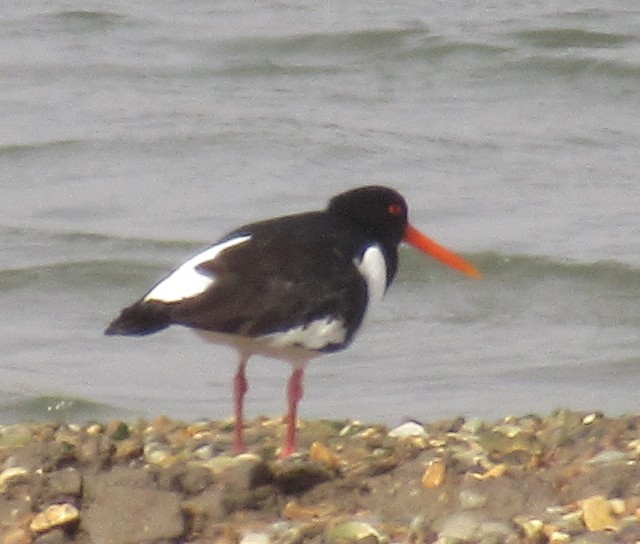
(295,391)
(240,387)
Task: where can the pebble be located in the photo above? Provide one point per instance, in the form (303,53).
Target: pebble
(471,500)
(56,515)
(65,482)
(156,453)
(319,453)
(434,474)
(559,537)
(16,535)
(608,457)
(255,538)
(410,428)
(532,528)
(351,532)
(596,511)
(13,436)
(11,473)
(203,453)
(458,528)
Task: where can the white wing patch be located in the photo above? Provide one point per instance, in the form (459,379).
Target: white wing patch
(315,335)
(373,268)
(187,281)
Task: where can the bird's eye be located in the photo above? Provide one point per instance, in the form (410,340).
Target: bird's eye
(394,209)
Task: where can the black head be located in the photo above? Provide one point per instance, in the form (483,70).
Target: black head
(379,211)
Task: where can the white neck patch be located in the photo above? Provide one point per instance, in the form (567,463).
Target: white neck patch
(373,268)
(186,281)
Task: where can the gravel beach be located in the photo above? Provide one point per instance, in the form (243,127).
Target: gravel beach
(564,478)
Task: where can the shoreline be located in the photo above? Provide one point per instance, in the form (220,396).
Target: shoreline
(562,478)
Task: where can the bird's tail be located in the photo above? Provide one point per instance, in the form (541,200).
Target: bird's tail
(140,319)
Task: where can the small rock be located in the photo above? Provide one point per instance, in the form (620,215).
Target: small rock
(9,474)
(117,430)
(618,506)
(471,500)
(494,531)
(255,538)
(203,453)
(142,514)
(559,537)
(240,473)
(434,474)
(410,428)
(352,532)
(458,528)
(319,453)
(596,511)
(573,522)
(17,535)
(608,458)
(56,536)
(67,482)
(472,426)
(532,528)
(195,479)
(293,511)
(420,531)
(495,471)
(56,515)
(15,436)
(208,506)
(127,448)
(156,453)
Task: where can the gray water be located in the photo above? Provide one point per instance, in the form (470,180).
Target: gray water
(135,133)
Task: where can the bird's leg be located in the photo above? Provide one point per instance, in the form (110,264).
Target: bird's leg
(240,387)
(294,395)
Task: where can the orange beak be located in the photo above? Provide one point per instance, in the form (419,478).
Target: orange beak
(425,244)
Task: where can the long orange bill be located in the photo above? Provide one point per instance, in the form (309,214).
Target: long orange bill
(425,244)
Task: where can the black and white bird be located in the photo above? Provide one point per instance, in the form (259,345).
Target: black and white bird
(292,287)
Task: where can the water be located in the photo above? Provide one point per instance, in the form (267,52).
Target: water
(134,135)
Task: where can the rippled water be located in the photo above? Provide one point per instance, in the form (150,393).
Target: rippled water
(133,136)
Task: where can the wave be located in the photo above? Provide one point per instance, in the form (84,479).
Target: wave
(104,262)
(514,268)
(563,38)
(58,409)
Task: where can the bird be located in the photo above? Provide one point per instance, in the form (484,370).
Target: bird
(291,288)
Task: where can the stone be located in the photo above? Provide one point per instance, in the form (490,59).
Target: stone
(319,453)
(67,482)
(596,511)
(255,538)
(608,457)
(195,479)
(56,515)
(410,428)
(11,475)
(434,474)
(471,500)
(241,473)
(458,528)
(293,511)
(16,535)
(351,532)
(124,515)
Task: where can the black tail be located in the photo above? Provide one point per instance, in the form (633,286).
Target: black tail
(140,319)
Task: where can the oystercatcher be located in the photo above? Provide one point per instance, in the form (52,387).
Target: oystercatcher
(291,288)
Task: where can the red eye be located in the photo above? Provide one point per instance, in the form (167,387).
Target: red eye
(394,209)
